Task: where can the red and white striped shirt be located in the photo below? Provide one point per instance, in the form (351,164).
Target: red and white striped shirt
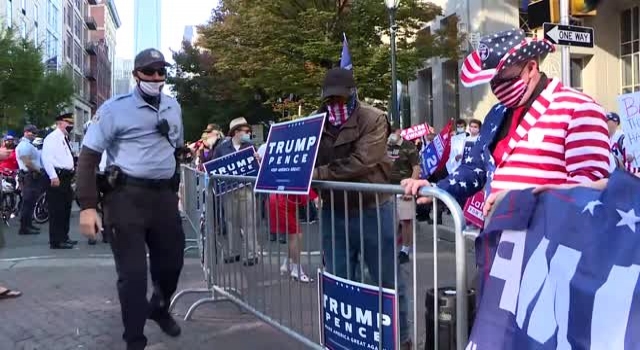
(562,139)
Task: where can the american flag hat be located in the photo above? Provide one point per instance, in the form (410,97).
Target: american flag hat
(498,51)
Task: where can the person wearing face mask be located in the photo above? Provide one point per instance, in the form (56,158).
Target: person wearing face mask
(58,162)
(32,179)
(406,163)
(353,148)
(143,136)
(242,241)
(540,133)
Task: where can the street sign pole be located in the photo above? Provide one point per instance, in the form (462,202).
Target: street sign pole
(566,54)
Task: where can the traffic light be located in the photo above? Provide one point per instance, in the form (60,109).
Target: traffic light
(584,7)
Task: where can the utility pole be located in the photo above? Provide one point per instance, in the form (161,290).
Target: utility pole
(565,50)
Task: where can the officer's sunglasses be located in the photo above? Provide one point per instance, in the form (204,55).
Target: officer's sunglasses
(150,71)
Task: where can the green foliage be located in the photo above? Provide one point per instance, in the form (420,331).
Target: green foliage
(285,46)
(210,96)
(51,97)
(27,93)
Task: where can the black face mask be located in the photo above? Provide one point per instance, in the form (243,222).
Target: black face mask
(69,128)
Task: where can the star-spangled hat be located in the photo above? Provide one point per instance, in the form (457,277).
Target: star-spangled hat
(498,51)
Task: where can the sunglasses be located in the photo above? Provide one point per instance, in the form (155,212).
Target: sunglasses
(150,71)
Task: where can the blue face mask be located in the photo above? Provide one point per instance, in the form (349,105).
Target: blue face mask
(245,138)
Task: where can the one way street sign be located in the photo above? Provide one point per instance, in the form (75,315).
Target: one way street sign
(568,35)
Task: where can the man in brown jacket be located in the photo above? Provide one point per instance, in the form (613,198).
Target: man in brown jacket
(353,148)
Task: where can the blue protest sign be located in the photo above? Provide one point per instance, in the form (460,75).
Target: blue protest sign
(290,155)
(242,163)
(349,315)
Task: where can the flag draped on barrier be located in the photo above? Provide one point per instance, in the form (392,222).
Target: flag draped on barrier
(434,156)
(565,275)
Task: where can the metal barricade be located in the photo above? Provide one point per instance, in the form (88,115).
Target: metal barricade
(254,243)
(192,190)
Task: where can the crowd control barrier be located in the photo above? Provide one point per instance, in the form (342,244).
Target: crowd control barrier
(192,191)
(352,237)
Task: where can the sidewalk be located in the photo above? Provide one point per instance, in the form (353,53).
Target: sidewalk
(69,298)
(70,301)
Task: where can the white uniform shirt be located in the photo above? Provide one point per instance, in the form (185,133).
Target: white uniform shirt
(103,162)
(56,153)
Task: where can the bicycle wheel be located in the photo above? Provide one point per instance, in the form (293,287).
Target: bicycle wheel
(41,211)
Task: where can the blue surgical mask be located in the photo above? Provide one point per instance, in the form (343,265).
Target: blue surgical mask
(245,138)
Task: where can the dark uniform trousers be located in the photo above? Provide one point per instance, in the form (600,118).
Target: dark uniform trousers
(142,218)
(33,184)
(59,201)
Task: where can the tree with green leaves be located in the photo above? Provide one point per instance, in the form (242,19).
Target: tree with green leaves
(207,95)
(286,46)
(27,92)
(51,97)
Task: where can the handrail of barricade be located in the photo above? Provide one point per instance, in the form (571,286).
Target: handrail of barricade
(192,189)
(228,282)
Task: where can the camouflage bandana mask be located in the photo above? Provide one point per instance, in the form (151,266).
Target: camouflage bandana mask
(340,112)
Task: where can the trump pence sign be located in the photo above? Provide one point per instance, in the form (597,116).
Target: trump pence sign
(292,147)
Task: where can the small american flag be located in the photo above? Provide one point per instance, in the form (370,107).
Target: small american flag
(498,51)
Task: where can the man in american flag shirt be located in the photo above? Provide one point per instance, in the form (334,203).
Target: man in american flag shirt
(541,132)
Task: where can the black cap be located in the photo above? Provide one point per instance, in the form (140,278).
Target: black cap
(67,117)
(31,128)
(338,82)
(149,57)
(614,117)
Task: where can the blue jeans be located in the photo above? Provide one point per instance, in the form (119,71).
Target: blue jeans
(370,254)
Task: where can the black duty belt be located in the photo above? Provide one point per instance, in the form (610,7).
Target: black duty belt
(64,172)
(126,180)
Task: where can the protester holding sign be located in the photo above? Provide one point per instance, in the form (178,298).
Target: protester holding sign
(241,231)
(353,148)
(540,133)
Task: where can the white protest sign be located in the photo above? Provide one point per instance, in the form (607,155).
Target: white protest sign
(629,105)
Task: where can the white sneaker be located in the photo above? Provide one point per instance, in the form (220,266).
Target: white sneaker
(285,267)
(299,275)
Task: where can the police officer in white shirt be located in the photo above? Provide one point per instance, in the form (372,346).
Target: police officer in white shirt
(57,159)
(142,133)
(32,175)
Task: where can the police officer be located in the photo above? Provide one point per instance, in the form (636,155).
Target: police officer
(140,132)
(57,159)
(32,176)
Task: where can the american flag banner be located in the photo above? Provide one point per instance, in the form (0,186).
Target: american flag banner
(565,272)
(435,155)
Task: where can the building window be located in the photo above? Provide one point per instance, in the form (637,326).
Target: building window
(78,83)
(77,56)
(78,28)
(52,45)
(630,49)
(577,65)
(69,17)
(9,13)
(53,16)
(23,28)
(69,46)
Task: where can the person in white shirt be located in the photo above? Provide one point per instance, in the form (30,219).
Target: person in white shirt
(58,162)
(30,166)
(618,157)
(461,144)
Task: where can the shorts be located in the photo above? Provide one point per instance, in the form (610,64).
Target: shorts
(406,209)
